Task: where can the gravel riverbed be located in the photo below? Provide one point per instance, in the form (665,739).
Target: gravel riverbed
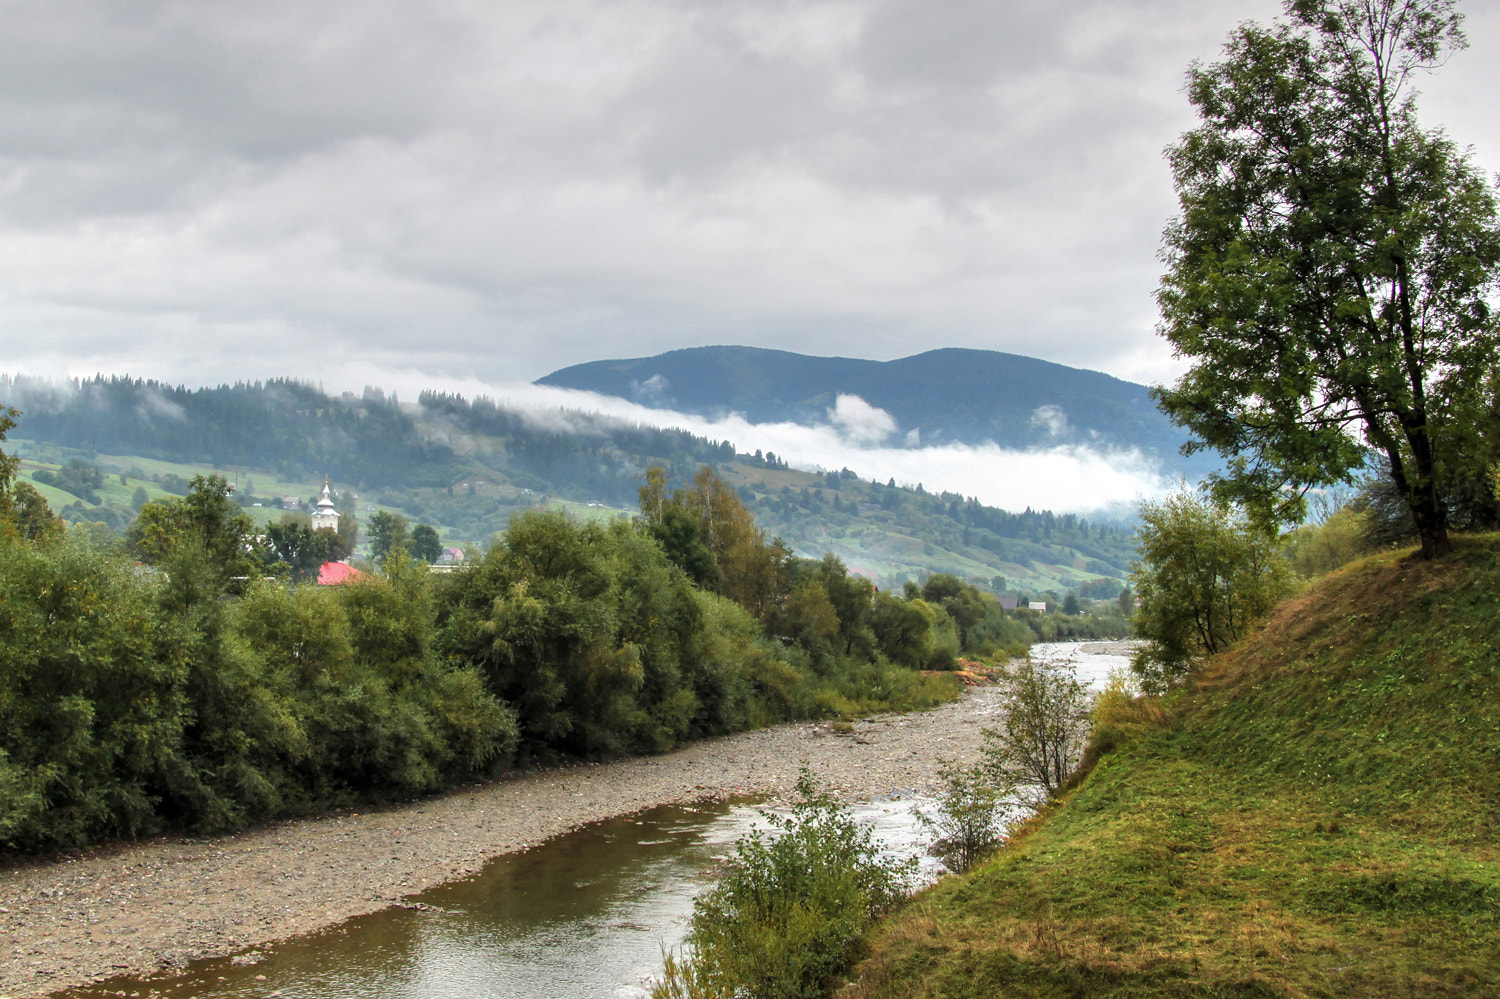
(161,903)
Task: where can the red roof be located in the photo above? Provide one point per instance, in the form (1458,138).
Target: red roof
(335,573)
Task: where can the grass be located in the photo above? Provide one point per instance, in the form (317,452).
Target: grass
(1318,815)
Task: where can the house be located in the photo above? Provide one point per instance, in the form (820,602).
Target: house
(451,556)
(290,502)
(1037,605)
(1008,603)
(339,573)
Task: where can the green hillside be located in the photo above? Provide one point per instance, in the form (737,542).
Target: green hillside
(1319,815)
(465,466)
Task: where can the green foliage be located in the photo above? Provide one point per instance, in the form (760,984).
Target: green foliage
(1329,277)
(78,477)
(91,711)
(1205,578)
(745,567)
(969,821)
(27,510)
(425,545)
(296,545)
(388,532)
(205,520)
(788,911)
(1031,754)
(134,702)
(1314,814)
(1314,550)
(903,629)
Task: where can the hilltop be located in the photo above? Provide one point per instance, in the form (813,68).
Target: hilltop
(945,395)
(1316,815)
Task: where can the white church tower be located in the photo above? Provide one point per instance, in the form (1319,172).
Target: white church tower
(325,515)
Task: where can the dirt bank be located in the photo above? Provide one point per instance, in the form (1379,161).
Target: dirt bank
(162,903)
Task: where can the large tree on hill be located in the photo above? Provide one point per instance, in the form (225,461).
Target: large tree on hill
(1330,272)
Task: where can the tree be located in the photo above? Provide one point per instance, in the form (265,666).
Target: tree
(970,818)
(746,568)
(348,521)
(206,517)
(1032,752)
(335,546)
(22,509)
(8,462)
(1329,271)
(295,543)
(33,518)
(388,532)
(1204,578)
(425,546)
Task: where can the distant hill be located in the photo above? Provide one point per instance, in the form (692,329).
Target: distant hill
(951,394)
(464,466)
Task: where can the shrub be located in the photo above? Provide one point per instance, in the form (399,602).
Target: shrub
(970,817)
(1037,746)
(789,910)
(1206,576)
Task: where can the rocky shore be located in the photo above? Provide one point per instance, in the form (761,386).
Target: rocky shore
(159,904)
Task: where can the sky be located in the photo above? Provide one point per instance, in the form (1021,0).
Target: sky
(469,195)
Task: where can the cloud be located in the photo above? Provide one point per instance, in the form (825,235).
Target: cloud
(155,404)
(655,390)
(1051,418)
(198,190)
(860,423)
(261,190)
(1065,479)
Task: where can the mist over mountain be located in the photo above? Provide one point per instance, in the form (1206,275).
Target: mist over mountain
(464,466)
(949,395)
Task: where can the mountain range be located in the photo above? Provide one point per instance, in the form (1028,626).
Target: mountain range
(939,396)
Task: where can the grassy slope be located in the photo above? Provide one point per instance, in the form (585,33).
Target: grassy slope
(1318,816)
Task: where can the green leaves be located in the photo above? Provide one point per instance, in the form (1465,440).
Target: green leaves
(1327,275)
(1204,578)
(787,913)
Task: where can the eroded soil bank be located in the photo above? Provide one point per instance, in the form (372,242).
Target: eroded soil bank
(157,904)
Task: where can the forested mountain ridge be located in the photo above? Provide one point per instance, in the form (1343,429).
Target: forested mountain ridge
(949,394)
(466,465)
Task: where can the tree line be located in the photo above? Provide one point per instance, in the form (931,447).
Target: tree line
(177,687)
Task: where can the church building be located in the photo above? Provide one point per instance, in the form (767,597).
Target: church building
(325,515)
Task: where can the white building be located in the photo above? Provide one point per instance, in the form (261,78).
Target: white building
(325,515)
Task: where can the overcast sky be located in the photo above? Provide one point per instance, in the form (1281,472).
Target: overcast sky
(479,193)
(468,195)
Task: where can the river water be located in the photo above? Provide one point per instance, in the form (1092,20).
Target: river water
(586,914)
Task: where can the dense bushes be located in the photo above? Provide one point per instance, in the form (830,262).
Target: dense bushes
(193,693)
(133,702)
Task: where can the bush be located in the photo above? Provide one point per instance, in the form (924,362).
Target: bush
(1205,577)
(1034,750)
(970,817)
(789,911)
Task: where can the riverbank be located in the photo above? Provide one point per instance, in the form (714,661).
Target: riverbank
(159,904)
(1314,815)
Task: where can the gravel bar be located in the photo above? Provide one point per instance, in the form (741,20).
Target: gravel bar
(144,906)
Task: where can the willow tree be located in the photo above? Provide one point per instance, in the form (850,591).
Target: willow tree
(1328,276)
